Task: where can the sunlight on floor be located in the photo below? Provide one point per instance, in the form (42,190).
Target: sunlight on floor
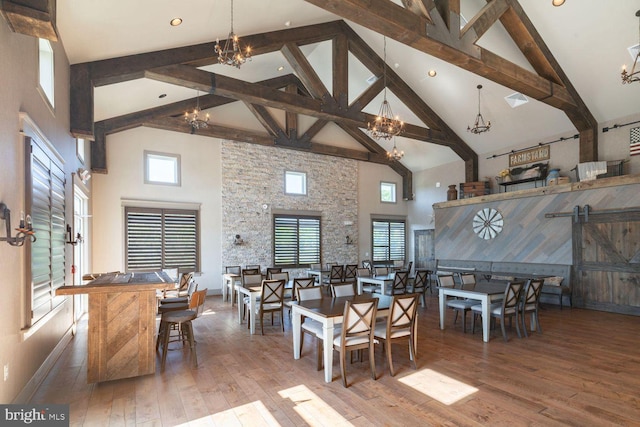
(251,414)
(313,410)
(440,387)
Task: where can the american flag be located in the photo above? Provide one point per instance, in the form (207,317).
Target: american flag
(634,141)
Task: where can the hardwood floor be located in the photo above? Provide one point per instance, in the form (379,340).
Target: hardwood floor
(583,370)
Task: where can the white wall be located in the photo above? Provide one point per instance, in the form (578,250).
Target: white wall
(200,162)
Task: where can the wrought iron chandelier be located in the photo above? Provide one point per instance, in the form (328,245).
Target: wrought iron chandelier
(232,53)
(385,125)
(479,126)
(633,76)
(194,119)
(395,154)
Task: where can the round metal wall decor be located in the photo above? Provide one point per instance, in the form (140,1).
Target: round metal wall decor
(487,223)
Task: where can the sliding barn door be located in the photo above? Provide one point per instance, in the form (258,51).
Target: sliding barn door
(607,261)
(424,249)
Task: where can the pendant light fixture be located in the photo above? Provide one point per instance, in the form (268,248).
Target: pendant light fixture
(232,52)
(479,126)
(633,76)
(385,125)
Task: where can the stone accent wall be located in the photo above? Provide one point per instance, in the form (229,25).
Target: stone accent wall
(253,186)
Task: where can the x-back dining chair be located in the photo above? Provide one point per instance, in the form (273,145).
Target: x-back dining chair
(271,301)
(310,326)
(530,303)
(461,305)
(400,281)
(400,325)
(509,307)
(357,333)
(420,284)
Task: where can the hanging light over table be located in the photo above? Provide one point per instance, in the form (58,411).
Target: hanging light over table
(195,119)
(479,126)
(385,125)
(633,76)
(232,53)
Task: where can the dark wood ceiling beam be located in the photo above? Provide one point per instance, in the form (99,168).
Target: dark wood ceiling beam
(187,76)
(368,95)
(394,21)
(417,7)
(305,72)
(313,130)
(340,62)
(267,120)
(488,15)
(291,118)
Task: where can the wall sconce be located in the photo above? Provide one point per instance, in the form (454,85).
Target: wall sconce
(238,240)
(349,241)
(73,242)
(84,175)
(24,230)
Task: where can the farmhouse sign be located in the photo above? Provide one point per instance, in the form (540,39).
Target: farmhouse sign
(529,156)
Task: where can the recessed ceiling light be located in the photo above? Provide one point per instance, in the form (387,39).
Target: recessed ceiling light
(287,24)
(280,68)
(175,22)
(432,73)
(162,95)
(396,65)
(557,2)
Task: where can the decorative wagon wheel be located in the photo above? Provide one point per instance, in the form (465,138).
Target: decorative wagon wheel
(487,223)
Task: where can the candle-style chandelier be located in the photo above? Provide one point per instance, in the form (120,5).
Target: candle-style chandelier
(194,118)
(479,126)
(385,125)
(633,76)
(232,52)
(395,154)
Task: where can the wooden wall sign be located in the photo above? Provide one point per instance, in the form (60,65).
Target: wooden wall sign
(530,156)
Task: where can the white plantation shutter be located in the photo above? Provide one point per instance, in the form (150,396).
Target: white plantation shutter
(161,238)
(296,240)
(388,238)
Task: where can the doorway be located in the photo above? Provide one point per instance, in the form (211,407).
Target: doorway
(424,249)
(80,251)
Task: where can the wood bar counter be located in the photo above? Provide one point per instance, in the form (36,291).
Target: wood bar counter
(122,323)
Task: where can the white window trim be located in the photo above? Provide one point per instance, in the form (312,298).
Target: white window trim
(176,157)
(303,175)
(395,191)
(50,101)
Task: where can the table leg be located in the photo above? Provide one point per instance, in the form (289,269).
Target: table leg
(225,283)
(359,286)
(327,339)
(296,322)
(486,319)
(442,307)
(239,296)
(252,311)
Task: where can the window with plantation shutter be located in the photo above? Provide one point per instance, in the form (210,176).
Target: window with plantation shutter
(388,240)
(161,238)
(46,204)
(296,240)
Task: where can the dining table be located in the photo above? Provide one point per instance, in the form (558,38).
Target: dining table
(319,274)
(253,292)
(381,280)
(329,312)
(484,292)
(229,280)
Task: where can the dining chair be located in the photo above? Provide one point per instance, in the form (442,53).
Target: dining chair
(310,326)
(367,287)
(271,301)
(183,286)
(367,264)
(463,305)
(233,269)
(380,271)
(408,267)
(249,280)
(509,307)
(335,275)
(399,285)
(446,281)
(358,321)
(301,283)
(400,325)
(398,264)
(288,293)
(251,270)
(191,288)
(181,321)
(272,270)
(342,290)
(420,285)
(530,303)
(350,272)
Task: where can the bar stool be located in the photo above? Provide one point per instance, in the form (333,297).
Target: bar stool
(180,321)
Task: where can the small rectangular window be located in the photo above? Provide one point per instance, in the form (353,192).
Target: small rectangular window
(388,192)
(80,149)
(161,168)
(46,77)
(295,183)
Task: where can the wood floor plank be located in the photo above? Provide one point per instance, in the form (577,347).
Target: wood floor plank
(583,369)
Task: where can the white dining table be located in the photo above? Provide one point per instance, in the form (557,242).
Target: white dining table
(253,292)
(485,293)
(320,274)
(329,312)
(229,281)
(382,281)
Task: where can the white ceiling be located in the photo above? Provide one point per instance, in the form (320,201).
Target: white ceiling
(588,38)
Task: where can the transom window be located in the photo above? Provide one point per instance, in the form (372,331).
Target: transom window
(295,183)
(388,192)
(388,240)
(46,75)
(161,168)
(161,238)
(296,240)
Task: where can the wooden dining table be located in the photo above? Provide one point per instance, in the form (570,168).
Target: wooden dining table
(329,312)
(484,292)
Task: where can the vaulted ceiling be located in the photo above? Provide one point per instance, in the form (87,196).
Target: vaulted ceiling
(566,60)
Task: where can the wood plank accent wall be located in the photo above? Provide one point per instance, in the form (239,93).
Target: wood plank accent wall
(527,235)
